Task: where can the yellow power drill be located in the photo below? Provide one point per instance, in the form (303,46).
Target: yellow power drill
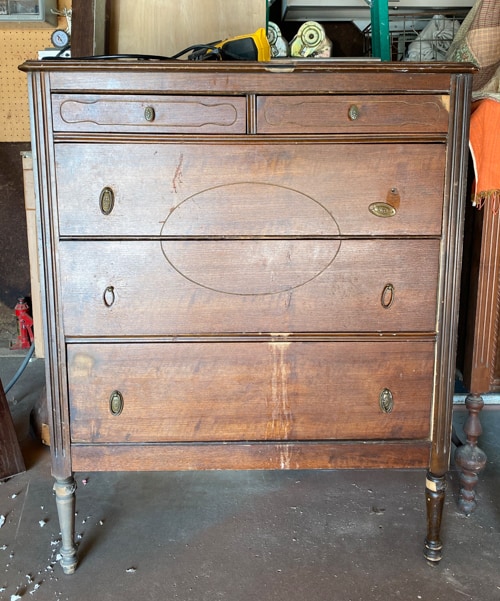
(249,47)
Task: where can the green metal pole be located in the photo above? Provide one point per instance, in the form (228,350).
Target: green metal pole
(381,46)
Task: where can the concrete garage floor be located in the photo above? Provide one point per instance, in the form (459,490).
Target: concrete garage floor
(241,536)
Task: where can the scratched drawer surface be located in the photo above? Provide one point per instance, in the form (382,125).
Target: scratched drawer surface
(352,114)
(271,391)
(160,114)
(120,288)
(280,189)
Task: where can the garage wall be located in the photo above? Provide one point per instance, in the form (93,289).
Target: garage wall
(16,45)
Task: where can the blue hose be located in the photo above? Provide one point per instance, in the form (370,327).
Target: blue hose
(22,367)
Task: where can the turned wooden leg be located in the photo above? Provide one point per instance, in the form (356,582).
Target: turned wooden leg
(65,501)
(435,488)
(469,457)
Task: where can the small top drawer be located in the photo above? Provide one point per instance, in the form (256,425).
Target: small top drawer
(159,114)
(351,114)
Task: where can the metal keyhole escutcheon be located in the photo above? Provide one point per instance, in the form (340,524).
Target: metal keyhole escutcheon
(386,401)
(353,112)
(149,113)
(116,402)
(387,297)
(109,296)
(106,200)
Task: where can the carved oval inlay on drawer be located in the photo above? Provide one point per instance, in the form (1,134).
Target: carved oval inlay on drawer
(185,114)
(182,114)
(335,114)
(250,238)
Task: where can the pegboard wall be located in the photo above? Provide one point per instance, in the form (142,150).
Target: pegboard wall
(16,46)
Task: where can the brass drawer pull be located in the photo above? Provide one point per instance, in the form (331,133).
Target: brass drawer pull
(109,296)
(149,113)
(353,112)
(116,402)
(387,297)
(106,200)
(382,209)
(386,401)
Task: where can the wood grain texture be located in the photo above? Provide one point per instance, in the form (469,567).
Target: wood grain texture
(33,254)
(323,114)
(168,114)
(270,286)
(142,77)
(270,391)
(482,355)
(235,300)
(328,455)
(11,459)
(89,35)
(295,189)
(166,27)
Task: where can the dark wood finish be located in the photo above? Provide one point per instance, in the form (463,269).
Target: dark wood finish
(435,490)
(282,295)
(227,286)
(366,114)
(11,459)
(143,78)
(482,353)
(14,265)
(167,114)
(272,391)
(328,183)
(90,21)
(246,456)
(469,457)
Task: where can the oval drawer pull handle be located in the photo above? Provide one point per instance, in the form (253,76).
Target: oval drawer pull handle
(387,297)
(109,296)
(149,113)
(386,401)
(382,209)
(106,200)
(353,112)
(116,402)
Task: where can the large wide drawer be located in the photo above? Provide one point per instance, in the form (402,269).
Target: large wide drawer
(115,288)
(250,391)
(158,114)
(279,189)
(352,114)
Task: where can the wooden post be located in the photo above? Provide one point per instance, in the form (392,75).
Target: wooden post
(11,459)
(89,35)
(469,457)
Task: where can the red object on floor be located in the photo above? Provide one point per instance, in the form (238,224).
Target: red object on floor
(24,326)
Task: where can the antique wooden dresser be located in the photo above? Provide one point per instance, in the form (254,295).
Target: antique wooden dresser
(249,266)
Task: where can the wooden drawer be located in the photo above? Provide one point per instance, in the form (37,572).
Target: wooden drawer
(152,288)
(352,114)
(159,114)
(279,189)
(271,391)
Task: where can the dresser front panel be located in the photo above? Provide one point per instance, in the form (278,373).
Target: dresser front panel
(271,391)
(290,455)
(299,189)
(155,114)
(249,265)
(115,288)
(352,114)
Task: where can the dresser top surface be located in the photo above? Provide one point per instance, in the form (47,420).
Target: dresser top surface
(275,66)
